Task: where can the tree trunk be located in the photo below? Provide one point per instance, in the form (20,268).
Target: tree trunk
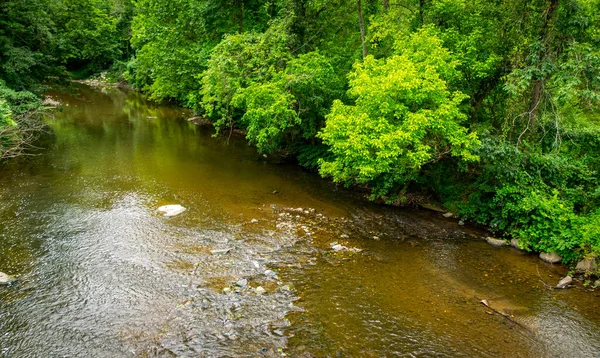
(538,84)
(386,5)
(362,30)
(421,17)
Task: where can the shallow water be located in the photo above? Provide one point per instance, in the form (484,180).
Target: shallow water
(103,275)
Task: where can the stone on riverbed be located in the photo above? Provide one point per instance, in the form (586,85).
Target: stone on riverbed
(6,279)
(220,251)
(565,282)
(515,243)
(550,257)
(260,290)
(270,274)
(242,283)
(495,242)
(171,210)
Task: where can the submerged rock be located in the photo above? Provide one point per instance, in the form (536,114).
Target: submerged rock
(550,257)
(565,282)
(495,242)
(338,247)
(270,274)
(586,265)
(6,279)
(171,210)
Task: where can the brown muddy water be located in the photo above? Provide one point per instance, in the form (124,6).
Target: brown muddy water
(102,274)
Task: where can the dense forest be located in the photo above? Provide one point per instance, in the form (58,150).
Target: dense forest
(488,107)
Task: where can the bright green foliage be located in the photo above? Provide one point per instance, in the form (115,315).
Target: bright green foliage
(291,107)
(238,62)
(89,32)
(404,118)
(5,115)
(268,113)
(174,40)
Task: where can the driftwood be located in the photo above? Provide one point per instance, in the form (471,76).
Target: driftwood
(505,315)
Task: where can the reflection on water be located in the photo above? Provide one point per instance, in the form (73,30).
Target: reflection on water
(101,274)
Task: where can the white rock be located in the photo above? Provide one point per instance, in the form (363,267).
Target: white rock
(6,279)
(260,290)
(338,247)
(220,251)
(495,242)
(550,257)
(565,282)
(515,243)
(171,210)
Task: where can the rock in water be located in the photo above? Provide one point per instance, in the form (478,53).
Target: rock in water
(6,279)
(171,210)
(495,242)
(515,243)
(242,283)
(550,257)
(260,290)
(565,282)
(220,251)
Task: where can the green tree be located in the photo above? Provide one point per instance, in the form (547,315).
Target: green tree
(404,118)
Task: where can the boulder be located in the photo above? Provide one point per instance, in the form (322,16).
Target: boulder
(515,243)
(586,265)
(6,279)
(550,257)
(171,210)
(565,282)
(495,242)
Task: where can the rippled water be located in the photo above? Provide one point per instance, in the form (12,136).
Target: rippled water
(103,275)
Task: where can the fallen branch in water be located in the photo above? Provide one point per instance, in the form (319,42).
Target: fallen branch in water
(505,315)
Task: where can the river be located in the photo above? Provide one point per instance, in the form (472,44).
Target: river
(102,274)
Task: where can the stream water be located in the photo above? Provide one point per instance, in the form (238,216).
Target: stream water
(102,274)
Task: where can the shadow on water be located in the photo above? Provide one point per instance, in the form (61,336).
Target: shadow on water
(103,275)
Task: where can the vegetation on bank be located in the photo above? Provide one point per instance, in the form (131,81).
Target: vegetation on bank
(491,107)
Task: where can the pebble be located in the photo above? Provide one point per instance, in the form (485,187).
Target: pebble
(242,283)
(253,221)
(270,274)
(260,290)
